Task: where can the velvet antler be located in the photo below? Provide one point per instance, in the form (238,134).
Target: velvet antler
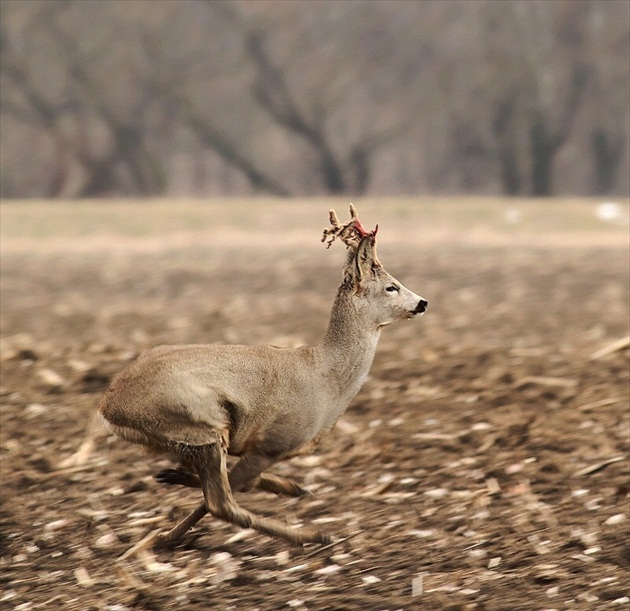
(350,233)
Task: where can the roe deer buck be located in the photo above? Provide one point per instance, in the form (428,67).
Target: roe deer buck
(200,403)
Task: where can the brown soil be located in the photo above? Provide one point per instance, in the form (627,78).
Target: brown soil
(484,465)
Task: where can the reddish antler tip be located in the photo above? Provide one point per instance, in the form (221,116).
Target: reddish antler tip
(362,231)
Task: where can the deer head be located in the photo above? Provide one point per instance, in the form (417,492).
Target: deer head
(377,296)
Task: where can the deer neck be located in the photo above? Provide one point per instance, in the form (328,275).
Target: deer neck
(349,346)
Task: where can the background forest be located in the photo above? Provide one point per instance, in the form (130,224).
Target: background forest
(203,98)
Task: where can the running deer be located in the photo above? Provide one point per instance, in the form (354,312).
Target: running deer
(201,403)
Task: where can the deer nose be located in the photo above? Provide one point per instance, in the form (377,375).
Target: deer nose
(422,306)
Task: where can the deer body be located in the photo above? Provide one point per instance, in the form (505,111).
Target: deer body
(260,403)
(277,399)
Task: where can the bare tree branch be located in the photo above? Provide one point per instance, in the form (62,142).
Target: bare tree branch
(220,144)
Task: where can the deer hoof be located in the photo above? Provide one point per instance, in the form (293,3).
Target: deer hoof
(163,541)
(179,477)
(296,491)
(168,476)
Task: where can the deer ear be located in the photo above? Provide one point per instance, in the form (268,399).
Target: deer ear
(365,258)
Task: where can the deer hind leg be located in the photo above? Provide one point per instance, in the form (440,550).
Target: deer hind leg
(173,536)
(211,467)
(209,461)
(266,481)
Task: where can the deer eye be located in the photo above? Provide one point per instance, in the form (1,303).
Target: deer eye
(392,288)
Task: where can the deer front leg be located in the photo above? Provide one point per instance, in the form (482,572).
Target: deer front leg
(283,486)
(247,474)
(265,481)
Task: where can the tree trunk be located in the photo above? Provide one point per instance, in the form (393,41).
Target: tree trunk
(607,151)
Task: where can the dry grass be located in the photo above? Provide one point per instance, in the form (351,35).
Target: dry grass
(280,223)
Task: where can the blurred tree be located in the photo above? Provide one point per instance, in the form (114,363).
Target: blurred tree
(296,107)
(607,152)
(531,74)
(60,85)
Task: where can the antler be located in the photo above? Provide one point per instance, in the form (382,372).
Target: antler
(350,233)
